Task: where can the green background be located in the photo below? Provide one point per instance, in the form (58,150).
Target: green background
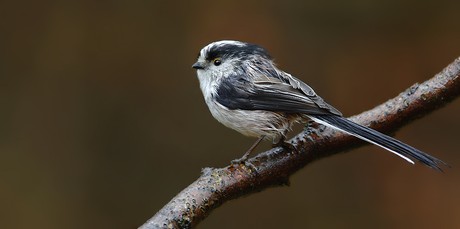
(102,121)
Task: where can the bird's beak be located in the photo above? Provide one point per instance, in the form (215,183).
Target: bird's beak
(198,65)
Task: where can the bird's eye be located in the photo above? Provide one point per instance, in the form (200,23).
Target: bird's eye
(217,61)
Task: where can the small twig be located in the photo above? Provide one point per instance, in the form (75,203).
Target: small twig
(273,168)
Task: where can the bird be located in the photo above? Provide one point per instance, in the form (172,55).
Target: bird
(245,91)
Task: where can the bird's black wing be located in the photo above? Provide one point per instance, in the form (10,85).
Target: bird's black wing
(271,94)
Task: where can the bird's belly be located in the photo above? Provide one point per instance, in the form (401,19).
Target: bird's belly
(253,123)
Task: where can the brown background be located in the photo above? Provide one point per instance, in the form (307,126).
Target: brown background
(102,121)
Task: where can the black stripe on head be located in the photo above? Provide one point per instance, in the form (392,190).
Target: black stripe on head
(236,50)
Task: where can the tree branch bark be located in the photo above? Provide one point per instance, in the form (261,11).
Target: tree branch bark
(273,167)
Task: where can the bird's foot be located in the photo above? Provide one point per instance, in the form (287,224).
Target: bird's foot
(285,145)
(241,160)
(245,156)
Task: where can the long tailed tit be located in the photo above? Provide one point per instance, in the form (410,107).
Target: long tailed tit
(245,91)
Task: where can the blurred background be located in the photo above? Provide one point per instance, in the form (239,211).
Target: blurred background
(102,121)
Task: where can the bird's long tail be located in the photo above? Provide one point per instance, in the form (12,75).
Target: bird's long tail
(397,147)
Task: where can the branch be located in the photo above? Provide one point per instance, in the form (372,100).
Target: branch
(273,167)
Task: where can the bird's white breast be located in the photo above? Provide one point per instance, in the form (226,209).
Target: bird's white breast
(252,123)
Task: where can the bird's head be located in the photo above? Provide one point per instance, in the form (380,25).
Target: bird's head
(223,58)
